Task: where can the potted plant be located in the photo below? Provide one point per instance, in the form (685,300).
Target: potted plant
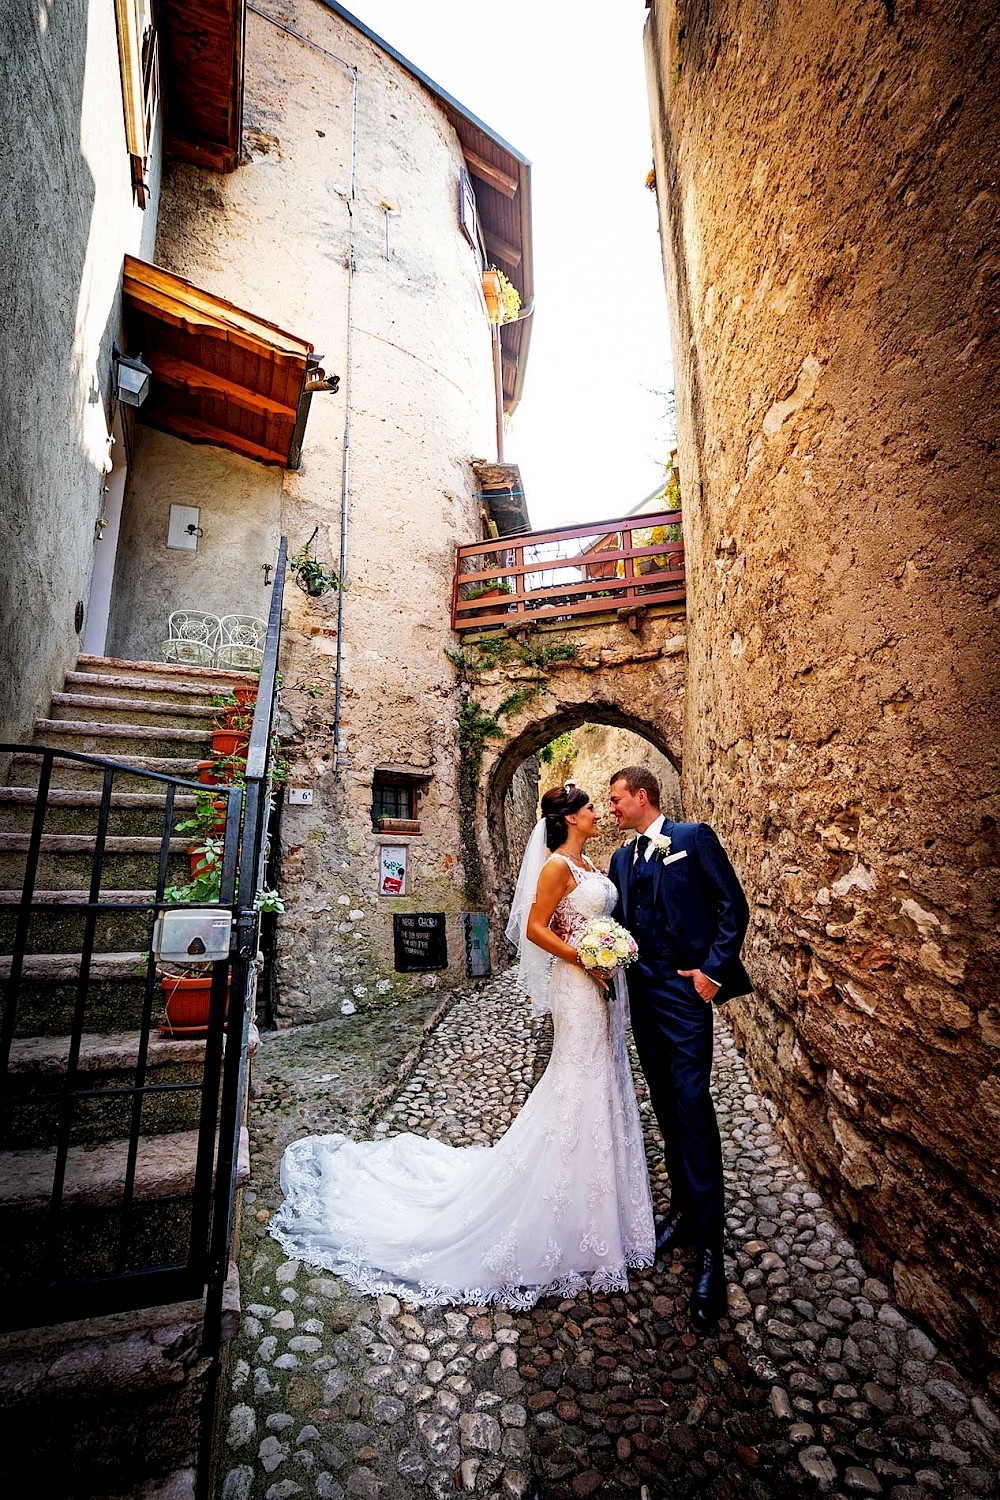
(490,592)
(503,300)
(235,736)
(310,575)
(187,1000)
(209,816)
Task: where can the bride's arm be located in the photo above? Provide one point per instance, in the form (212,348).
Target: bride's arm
(553,883)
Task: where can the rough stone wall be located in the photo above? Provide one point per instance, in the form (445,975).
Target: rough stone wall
(827,185)
(276,237)
(66,220)
(599,750)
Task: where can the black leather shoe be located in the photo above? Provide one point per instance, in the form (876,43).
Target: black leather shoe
(671,1233)
(708,1300)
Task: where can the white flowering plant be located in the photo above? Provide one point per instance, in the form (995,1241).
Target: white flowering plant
(604,946)
(661,845)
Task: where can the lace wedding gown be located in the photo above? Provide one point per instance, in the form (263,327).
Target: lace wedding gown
(560,1203)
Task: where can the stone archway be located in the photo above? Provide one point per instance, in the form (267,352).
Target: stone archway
(633,682)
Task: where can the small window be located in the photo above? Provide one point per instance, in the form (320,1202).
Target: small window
(138,59)
(394,801)
(469,217)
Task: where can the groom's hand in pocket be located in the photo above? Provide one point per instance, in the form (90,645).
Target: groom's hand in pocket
(707,988)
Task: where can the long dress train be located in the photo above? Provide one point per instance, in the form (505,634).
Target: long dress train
(559,1204)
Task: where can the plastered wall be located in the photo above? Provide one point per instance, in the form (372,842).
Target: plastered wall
(67,218)
(277,237)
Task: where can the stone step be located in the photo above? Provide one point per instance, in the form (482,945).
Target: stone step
(76,810)
(46,997)
(133,710)
(89,1222)
(167,671)
(62,931)
(175,690)
(73,773)
(36,1077)
(120,741)
(65,860)
(125,1393)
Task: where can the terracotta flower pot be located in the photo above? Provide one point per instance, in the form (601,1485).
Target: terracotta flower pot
(220,806)
(245,695)
(187,1000)
(229,741)
(206,773)
(199,863)
(493,293)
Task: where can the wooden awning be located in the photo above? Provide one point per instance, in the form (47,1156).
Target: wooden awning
(220,375)
(202,55)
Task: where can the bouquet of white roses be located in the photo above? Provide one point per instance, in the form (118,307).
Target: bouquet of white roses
(604,946)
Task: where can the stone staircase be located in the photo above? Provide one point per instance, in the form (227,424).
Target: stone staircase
(125,1393)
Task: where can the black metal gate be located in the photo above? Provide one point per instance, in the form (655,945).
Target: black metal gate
(76,1261)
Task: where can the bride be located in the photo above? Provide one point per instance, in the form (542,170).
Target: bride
(562,1201)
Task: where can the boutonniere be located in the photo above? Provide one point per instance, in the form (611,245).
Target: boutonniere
(661,845)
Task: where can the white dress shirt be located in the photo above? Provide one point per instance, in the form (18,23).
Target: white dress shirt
(654,828)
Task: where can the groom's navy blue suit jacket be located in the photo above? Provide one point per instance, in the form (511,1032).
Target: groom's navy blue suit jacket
(699,905)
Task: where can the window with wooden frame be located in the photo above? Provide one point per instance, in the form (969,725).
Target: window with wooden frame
(137,54)
(469,216)
(395,801)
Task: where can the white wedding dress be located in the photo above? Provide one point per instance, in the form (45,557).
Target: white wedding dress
(559,1204)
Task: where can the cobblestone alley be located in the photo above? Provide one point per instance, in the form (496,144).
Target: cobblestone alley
(815,1384)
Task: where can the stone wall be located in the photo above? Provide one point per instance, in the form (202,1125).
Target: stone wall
(827,188)
(277,238)
(67,218)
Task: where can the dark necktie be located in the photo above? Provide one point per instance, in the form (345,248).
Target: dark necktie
(641,845)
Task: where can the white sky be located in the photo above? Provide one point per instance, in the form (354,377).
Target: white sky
(566,86)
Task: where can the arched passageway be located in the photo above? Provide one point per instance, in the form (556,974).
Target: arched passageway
(522,773)
(633,683)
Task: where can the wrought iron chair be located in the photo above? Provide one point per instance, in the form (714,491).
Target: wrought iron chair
(193,637)
(241,642)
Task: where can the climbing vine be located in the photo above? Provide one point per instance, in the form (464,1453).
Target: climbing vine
(476,726)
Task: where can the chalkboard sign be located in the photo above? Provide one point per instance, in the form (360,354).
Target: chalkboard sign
(420,941)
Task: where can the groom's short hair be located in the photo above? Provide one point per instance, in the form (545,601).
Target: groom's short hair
(637,778)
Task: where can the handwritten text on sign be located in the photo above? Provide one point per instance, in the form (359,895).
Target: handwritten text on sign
(420,941)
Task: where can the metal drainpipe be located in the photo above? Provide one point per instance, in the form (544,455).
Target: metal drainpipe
(498,388)
(345,470)
(498,372)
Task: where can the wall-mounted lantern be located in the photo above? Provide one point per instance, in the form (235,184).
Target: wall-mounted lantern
(133,378)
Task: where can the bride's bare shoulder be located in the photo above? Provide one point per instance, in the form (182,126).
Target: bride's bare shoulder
(555,874)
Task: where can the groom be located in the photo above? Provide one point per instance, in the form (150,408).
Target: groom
(679,897)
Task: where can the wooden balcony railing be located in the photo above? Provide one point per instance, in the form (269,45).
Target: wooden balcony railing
(625,566)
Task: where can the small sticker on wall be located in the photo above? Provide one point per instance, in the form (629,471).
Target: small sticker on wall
(392,870)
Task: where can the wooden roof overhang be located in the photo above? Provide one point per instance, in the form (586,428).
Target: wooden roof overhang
(502,179)
(201,53)
(220,375)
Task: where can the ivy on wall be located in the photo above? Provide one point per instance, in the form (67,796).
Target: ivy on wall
(477,726)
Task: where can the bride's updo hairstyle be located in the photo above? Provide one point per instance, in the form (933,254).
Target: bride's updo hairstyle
(556,803)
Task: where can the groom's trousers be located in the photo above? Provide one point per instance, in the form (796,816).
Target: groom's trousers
(673,1030)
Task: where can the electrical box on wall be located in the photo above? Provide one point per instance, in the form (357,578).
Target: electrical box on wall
(184,527)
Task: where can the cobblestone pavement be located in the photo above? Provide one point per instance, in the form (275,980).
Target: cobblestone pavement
(815,1384)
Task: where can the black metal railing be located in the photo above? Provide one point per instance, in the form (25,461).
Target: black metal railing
(253,851)
(67,1271)
(69,1251)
